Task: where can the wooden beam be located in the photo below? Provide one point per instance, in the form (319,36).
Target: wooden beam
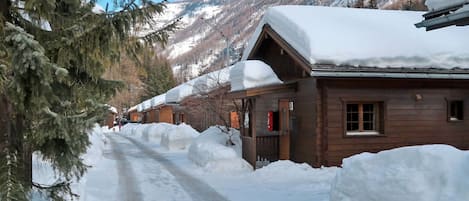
(263,90)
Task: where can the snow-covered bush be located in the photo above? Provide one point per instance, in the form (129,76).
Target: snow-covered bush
(417,173)
(213,151)
(178,137)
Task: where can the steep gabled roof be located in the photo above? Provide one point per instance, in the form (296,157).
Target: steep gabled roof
(356,38)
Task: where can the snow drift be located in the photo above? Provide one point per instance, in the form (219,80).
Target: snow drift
(213,151)
(178,137)
(417,173)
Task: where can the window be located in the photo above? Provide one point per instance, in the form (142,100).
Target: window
(455,110)
(363,119)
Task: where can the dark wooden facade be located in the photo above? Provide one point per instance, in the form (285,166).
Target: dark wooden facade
(413,111)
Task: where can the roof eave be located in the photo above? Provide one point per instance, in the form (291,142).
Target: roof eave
(457,76)
(459,18)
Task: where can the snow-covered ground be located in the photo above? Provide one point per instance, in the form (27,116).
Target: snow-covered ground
(133,165)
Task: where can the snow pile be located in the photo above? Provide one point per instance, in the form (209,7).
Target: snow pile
(251,74)
(128,129)
(179,137)
(342,36)
(154,131)
(212,151)
(440,4)
(417,173)
(288,171)
(137,131)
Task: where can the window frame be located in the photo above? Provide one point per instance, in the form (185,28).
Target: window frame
(449,102)
(379,130)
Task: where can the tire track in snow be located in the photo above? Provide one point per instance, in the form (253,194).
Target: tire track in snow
(128,188)
(197,189)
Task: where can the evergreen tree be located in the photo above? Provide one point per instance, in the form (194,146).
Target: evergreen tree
(158,77)
(52,56)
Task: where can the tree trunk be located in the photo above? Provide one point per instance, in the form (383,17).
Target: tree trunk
(12,137)
(5,9)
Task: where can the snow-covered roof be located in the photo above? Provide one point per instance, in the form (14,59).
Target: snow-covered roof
(140,107)
(365,37)
(210,81)
(146,105)
(111,108)
(133,108)
(178,93)
(158,100)
(250,74)
(199,85)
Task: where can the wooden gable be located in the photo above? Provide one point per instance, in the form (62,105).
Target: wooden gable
(285,61)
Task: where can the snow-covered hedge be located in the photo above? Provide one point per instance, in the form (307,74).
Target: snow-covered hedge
(179,137)
(417,173)
(213,151)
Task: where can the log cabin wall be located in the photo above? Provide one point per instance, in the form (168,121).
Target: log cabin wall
(415,112)
(166,114)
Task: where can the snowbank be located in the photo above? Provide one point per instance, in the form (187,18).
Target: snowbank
(211,151)
(288,171)
(153,132)
(342,36)
(128,129)
(251,74)
(179,137)
(417,173)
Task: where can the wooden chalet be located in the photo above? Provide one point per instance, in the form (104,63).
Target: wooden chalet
(155,110)
(356,95)
(133,115)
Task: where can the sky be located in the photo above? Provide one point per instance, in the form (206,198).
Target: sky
(103,3)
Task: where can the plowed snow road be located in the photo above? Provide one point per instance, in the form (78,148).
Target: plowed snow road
(137,173)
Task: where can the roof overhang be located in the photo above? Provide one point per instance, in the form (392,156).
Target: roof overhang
(458,19)
(444,17)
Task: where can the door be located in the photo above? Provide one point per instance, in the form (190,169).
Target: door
(284,129)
